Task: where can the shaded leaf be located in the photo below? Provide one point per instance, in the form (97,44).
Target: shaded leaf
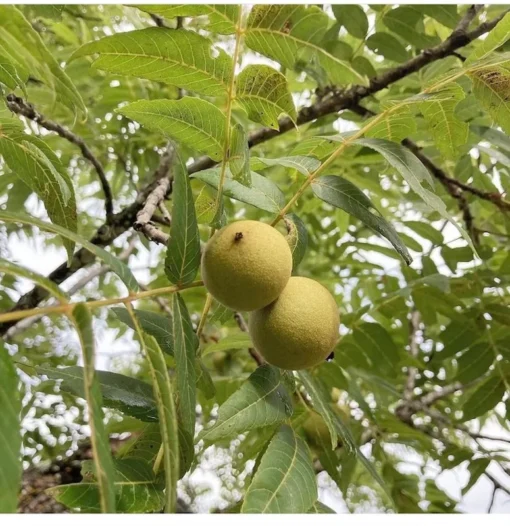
(100,441)
(185,345)
(353,18)
(260,402)
(263,193)
(413,171)
(284,481)
(239,160)
(484,398)
(28,52)
(475,362)
(129,395)
(297,237)
(341,193)
(304,165)
(11,467)
(41,171)
(183,252)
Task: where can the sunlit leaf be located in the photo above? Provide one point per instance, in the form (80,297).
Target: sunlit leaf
(263,93)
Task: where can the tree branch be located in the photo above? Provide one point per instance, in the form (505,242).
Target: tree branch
(20,107)
(334,102)
(163,187)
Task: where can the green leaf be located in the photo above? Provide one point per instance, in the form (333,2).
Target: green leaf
(117,266)
(475,362)
(222,18)
(445,14)
(28,51)
(16,270)
(413,171)
(304,165)
(448,132)
(496,38)
(341,193)
(405,22)
(293,33)
(297,237)
(498,312)
(263,93)
(129,395)
(183,252)
(426,231)
(319,507)
(11,467)
(152,323)
(167,417)
(321,401)
(388,46)
(233,341)
(484,398)
(191,121)
(175,56)
(284,481)
(476,468)
(377,344)
(185,345)
(136,490)
(491,87)
(263,193)
(458,336)
(396,126)
(100,441)
(10,76)
(261,401)
(239,160)
(40,169)
(353,18)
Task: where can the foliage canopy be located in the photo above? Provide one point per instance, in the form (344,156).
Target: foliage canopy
(374,137)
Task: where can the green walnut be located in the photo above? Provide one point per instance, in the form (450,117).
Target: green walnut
(246,265)
(300,329)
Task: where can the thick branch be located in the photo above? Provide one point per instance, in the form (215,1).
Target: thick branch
(19,106)
(334,102)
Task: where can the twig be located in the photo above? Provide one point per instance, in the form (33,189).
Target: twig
(163,187)
(493,498)
(432,397)
(244,327)
(19,106)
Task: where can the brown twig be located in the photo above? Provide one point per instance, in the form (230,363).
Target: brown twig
(20,107)
(163,187)
(244,327)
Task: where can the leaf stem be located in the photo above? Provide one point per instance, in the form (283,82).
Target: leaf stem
(68,307)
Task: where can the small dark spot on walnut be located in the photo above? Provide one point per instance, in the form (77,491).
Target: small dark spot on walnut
(238,236)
